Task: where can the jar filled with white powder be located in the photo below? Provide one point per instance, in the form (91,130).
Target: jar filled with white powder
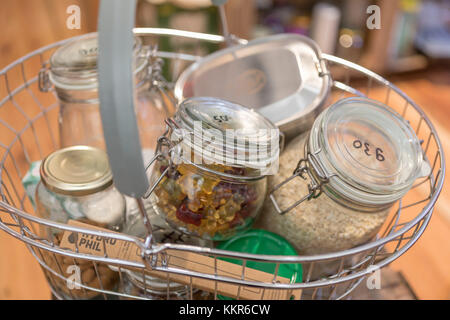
(77,184)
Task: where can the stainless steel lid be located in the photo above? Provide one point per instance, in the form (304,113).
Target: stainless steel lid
(368,150)
(76,171)
(74,65)
(282,77)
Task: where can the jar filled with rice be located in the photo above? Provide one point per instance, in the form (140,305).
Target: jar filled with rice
(359,159)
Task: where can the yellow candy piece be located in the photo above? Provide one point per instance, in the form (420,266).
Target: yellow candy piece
(199,193)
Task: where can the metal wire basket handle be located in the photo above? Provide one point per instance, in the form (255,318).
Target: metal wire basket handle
(116,92)
(117,99)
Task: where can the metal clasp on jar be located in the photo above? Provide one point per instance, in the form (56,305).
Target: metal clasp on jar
(44,82)
(317,175)
(163,142)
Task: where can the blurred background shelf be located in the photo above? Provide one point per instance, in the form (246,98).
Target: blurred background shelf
(418,69)
(412,33)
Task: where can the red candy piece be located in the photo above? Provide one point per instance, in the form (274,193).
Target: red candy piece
(187,216)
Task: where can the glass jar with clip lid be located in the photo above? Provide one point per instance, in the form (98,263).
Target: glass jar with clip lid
(72,71)
(359,159)
(210,177)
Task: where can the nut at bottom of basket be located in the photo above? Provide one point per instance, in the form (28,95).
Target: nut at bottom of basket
(188,262)
(78,271)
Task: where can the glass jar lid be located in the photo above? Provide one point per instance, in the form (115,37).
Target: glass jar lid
(76,171)
(217,131)
(370,153)
(74,65)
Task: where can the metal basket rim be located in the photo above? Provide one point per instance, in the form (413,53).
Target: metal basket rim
(428,209)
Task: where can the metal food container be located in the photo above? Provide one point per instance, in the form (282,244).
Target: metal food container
(283,77)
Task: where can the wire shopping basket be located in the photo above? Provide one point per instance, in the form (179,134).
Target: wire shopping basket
(32,134)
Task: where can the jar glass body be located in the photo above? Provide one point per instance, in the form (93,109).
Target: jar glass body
(359,159)
(104,209)
(73,71)
(80,118)
(155,288)
(80,122)
(319,225)
(151,291)
(204,204)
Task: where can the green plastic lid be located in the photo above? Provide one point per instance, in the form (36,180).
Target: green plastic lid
(263,242)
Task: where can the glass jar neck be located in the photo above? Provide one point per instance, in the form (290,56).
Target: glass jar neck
(226,173)
(89,95)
